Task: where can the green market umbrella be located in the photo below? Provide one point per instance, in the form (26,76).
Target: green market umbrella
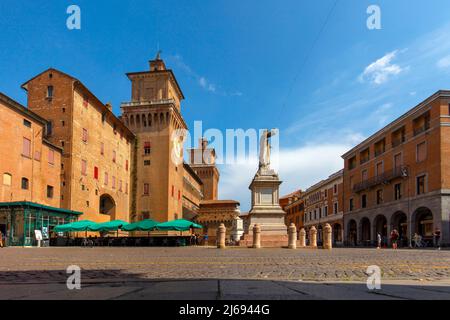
(144,225)
(178,225)
(114,225)
(82,225)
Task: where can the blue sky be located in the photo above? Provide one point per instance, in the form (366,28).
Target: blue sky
(247,64)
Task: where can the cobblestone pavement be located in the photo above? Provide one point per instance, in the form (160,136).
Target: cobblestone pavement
(125,271)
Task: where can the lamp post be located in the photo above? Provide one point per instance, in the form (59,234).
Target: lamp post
(405,174)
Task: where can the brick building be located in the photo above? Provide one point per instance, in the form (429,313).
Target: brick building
(400,177)
(30,176)
(95,169)
(30,164)
(323,204)
(154,116)
(294,206)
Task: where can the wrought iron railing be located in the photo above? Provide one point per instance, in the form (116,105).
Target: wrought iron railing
(383,178)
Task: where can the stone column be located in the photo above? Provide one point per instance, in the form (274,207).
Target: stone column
(302,238)
(292,236)
(257,236)
(327,242)
(221,232)
(313,237)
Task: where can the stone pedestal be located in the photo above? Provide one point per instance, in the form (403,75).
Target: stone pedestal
(327,241)
(266,211)
(221,233)
(302,238)
(292,237)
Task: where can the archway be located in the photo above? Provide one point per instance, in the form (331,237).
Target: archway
(337,233)
(380,224)
(365,231)
(352,233)
(319,235)
(399,221)
(424,224)
(107,206)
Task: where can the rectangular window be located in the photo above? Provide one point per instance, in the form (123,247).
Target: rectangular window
(325,210)
(335,189)
(120,185)
(179,194)
(364,201)
(421,151)
(351,206)
(147,148)
(352,163)
(50,92)
(26,123)
(26,147)
(84,167)
(364,175)
(102,148)
(379,168)
(398,160)
(126,188)
(146,162)
(114,157)
(96,173)
(49,192)
(420,184)
(173,191)
(398,191)
(126,165)
(379,196)
(51,156)
(25,184)
(85,135)
(146,189)
(106,178)
(113,182)
(49,128)
(37,156)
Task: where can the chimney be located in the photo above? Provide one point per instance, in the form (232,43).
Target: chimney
(109,106)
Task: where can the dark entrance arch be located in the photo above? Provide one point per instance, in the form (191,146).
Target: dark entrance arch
(424,224)
(107,205)
(319,235)
(380,225)
(399,221)
(337,233)
(352,233)
(365,231)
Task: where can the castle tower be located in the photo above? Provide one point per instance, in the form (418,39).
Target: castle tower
(154,115)
(203,162)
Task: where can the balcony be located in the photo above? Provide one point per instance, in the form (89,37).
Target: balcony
(384,178)
(397,142)
(147,103)
(421,129)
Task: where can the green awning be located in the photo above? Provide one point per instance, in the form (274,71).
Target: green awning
(144,225)
(82,225)
(178,225)
(108,226)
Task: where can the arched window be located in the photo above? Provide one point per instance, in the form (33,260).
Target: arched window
(7,179)
(25,184)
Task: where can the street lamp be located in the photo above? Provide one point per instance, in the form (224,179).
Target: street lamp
(405,174)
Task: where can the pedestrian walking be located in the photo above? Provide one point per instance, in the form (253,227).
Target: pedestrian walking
(437,239)
(394,238)
(205,239)
(417,240)
(1,239)
(379,240)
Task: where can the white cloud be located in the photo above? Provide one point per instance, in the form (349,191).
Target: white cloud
(202,81)
(380,71)
(299,167)
(444,63)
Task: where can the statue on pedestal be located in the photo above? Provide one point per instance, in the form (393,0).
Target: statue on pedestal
(264,152)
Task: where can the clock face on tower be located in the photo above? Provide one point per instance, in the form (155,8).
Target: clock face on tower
(177,150)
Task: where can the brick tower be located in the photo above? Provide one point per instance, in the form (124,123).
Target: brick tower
(203,162)
(154,115)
